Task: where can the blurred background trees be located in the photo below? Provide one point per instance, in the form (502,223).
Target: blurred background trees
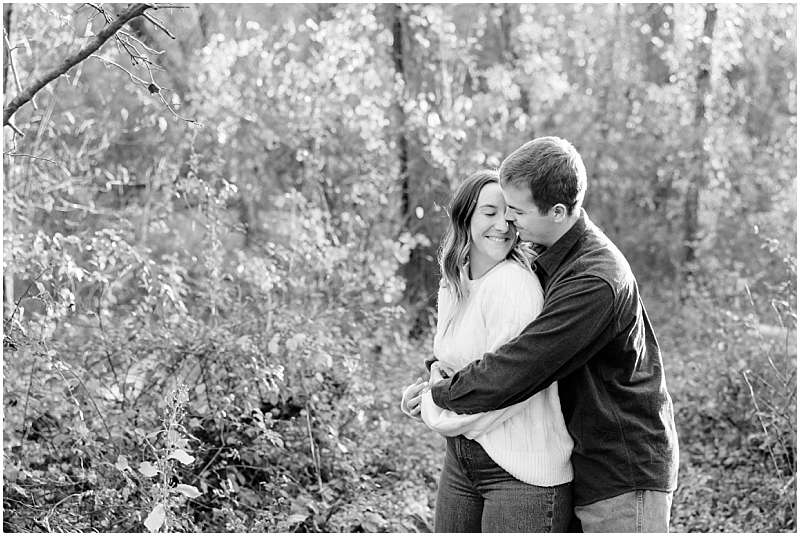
(240,262)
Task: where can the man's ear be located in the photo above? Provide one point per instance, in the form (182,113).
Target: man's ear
(559,213)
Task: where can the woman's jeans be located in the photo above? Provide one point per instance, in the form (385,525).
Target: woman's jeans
(477,495)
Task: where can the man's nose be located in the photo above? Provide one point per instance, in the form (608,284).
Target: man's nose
(509,215)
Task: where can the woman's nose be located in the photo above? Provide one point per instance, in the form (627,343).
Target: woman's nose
(502,225)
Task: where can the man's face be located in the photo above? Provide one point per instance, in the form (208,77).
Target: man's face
(531,225)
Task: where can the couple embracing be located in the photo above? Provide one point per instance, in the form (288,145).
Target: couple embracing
(547,379)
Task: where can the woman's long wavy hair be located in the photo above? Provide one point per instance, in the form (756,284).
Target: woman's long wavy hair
(454,252)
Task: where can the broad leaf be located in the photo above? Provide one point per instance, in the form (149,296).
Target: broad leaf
(148,469)
(122,463)
(182,456)
(156,518)
(190,491)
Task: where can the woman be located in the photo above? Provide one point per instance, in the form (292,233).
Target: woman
(505,470)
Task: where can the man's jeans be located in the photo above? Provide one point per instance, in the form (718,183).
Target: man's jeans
(477,495)
(636,511)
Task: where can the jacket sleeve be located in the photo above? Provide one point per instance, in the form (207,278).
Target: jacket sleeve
(555,344)
(509,301)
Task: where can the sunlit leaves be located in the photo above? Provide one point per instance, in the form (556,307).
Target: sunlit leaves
(187,490)
(122,463)
(182,456)
(148,469)
(156,517)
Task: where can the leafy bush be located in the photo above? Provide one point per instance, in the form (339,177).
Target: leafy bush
(733,378)
(261,370)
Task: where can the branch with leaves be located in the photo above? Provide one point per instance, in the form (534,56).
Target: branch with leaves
(114,26)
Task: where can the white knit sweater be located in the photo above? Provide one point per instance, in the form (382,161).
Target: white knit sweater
(529,439)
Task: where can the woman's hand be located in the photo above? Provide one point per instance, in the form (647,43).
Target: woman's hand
(412,399)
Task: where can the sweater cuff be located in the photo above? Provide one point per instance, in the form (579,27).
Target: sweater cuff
(441,394)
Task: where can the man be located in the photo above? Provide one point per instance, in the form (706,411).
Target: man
(593,336)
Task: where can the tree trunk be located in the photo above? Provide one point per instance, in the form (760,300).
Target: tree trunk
(6,53)
(8,216)
(698,177)
(402,141)
(602,120)
(420,185)
(511,56)
(656,17)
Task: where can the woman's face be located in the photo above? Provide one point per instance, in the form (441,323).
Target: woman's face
(492,238)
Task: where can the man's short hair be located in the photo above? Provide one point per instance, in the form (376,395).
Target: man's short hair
(551,168)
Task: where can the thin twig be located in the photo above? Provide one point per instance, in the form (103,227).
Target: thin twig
(147,48)
(134,78)
(16,305)
(25,408)
(764,346)
(65,499)
(70,206)
(313,450)
(63,366)
(158,24)
(99,315)
(174,113)
(11,61)
(57,162)
(61,18)
(14,128)
(761,420)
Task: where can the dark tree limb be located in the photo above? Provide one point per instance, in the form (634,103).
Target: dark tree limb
(7,8)
(133,11)
(697,180)
(402,141)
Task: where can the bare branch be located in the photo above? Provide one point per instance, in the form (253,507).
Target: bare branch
(134,78)
(158,24)
(15,129)
(7,10)
(36,158)
(151,86)
(16,304)
(133,11)
(13,65)
(147,48)
(61,18)
(170,107)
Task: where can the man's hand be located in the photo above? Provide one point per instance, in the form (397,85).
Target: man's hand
(439,373)
(412,398)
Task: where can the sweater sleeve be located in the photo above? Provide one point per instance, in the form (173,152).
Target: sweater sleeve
(508,302)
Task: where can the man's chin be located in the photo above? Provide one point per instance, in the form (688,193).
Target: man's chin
(525,237)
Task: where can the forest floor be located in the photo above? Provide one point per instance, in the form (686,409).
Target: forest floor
(382,475)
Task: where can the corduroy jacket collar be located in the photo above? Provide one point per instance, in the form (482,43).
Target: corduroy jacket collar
(551,259)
